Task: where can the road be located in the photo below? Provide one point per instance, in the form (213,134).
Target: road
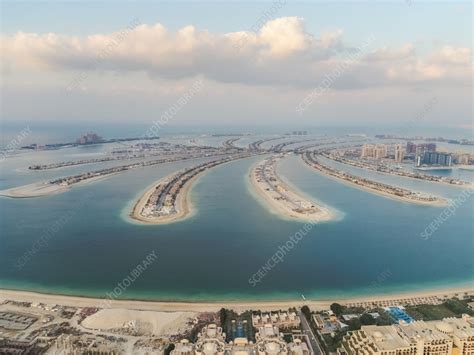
(312,338)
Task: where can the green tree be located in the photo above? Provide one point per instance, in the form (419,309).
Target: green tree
(354,324)
(337,309)
(169,349)
(367,319)
(306,312)
(222,315)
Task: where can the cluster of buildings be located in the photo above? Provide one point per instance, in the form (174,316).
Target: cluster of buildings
(370,184)
(162,202)
(17,321)
(89,138)
(434,159)
(74,179)
(347,157)
(268,341)
(380,151)
(420,148)
(448,336)
(285,319)
(328,323)
(377,151)
(424,154)
(299,133)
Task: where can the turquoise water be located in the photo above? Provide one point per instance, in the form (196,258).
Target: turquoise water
(212,255)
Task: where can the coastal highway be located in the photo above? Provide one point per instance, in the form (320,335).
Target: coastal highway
(312,338)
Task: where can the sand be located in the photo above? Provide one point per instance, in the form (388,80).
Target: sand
(150,323)
(439,202)
(465,185)
(45,188)
(74,301)
(184,207)
(34,190)
(282,208)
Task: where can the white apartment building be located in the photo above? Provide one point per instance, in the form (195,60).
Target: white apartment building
(368,151)
(399,155)
(269,341)
(287,319)
(416,338)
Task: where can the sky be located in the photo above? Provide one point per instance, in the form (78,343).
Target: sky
(266,63)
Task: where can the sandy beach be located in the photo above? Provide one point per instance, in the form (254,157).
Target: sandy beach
(466,185)
(34,190)
(75,301)
(184,206)
(283,208)
(40,189)
(150,323)
(439,202)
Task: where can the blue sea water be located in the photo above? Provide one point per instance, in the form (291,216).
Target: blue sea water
(213,254)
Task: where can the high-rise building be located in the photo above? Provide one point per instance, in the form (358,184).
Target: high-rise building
(368,151)
(425,147)
(380,151)
(411,148)
(434,158)
(399,153)
(463,158)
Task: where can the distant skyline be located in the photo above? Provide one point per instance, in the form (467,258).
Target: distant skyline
(351,63)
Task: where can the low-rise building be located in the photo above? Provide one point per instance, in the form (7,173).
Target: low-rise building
(211,341)
(286,319)
(415,338)
(427,337)
(269,341)
(184,347)
(299,347)
(461,330)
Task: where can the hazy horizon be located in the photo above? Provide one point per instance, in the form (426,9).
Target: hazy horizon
(237,64)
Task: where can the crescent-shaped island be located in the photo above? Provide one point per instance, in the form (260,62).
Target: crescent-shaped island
(167,200)
(282,199)
(381,189)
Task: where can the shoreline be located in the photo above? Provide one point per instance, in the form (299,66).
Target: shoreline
(183,204)
(280,208)
(438,203)
(37,189)
(206,306)
(466,185)
(33,190)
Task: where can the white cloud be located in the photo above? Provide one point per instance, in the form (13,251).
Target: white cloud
(281,53)
(453,55)
(284,36)
(387,54)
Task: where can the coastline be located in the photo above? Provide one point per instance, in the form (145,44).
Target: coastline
(438,203)
(37,189)
(213,306)
(467,185)
(40,189)
(279,208)
(184,207)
